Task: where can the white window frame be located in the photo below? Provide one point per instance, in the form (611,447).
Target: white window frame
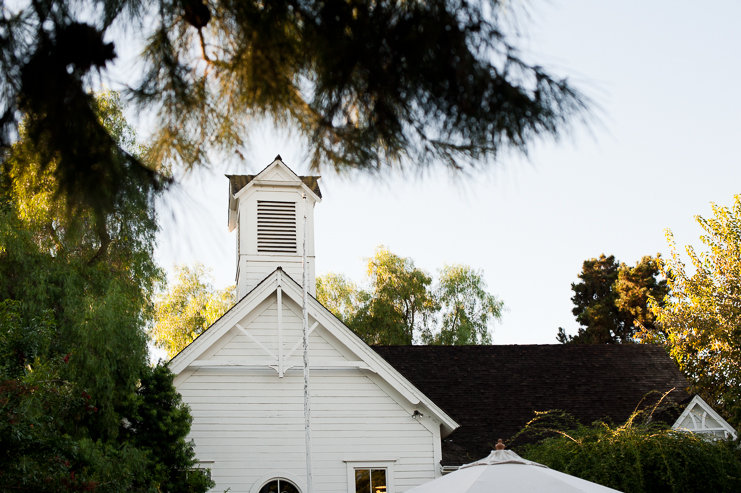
(387,464)
(282,475)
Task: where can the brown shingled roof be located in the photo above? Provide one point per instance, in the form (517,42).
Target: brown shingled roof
(238,182)
(493,391)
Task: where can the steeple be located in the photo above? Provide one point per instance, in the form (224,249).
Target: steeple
(267,210)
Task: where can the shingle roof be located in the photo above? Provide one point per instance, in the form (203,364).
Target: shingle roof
(493,391)
(238,182)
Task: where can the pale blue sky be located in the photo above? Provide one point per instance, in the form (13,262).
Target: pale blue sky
(665,75)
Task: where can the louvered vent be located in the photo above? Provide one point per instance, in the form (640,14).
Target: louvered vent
(276,227)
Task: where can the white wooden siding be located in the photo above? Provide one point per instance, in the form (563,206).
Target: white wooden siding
(250,422)
(252,271)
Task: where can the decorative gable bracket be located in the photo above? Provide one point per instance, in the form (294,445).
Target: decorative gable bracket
(280,361)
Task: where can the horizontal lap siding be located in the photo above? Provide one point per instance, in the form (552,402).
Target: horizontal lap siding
(251,423)
(254,272)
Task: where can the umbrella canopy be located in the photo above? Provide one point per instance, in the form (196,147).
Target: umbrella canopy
(504,471)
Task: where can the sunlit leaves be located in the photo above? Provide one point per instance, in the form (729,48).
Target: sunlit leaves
(188,308)
(467,309)
(611,300)
(340,295)
(701,322)
(402,306)
(398,306)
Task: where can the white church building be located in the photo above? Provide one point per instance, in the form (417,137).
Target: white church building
(374,425)
(243,377)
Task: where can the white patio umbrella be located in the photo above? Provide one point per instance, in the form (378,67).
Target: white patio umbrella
(503,471)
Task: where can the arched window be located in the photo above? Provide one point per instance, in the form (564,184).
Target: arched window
(279,486)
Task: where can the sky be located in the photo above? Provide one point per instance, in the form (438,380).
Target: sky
(663,76)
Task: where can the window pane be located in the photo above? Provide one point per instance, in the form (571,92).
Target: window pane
(271,487)
(378,480)
(362,481)
(286,487)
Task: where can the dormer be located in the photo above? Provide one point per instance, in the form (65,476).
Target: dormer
(699,417)
(267,210)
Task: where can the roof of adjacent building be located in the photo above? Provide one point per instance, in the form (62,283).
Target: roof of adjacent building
(494,391)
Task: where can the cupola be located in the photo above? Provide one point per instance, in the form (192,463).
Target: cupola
(267,210)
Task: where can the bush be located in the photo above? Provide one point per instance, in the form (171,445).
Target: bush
(636,457)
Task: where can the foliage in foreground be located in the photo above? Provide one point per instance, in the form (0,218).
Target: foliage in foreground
(369,84)
(636,457)
(80,407)
(611,300)
(402,306)
(188,307)
(700,324)
(48,438)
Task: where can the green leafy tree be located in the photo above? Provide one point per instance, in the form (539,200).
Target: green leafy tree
(158,423)
(340,295)
(74,292)
(594,301)
(611,300)
(700,323)
(403,307)
(399,305)
(636,457)
(467,308)
(370,85)
(188,308)
(95,272)
(635,288)
(44,444)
